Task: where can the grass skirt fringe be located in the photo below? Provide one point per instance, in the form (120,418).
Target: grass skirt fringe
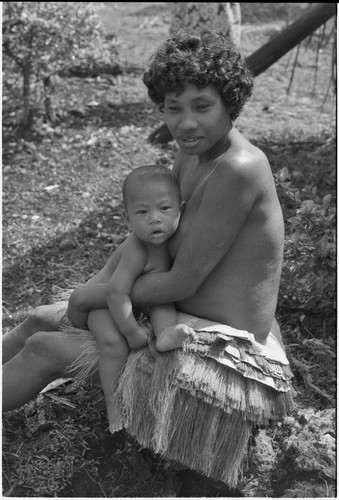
(196,406)
(189,408)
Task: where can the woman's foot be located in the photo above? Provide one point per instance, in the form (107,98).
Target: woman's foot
(116,420)
(173,337)
(116,427)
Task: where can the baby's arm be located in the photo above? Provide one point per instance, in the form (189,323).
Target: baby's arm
(92,295)
(129,268)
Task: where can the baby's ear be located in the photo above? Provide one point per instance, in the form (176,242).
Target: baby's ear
(183,206)
(125,217)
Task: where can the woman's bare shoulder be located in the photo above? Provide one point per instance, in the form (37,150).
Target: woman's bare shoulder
(244,160)
(243,153)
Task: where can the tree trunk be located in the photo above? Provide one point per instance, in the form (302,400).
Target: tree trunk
(224,17)
(27,119)
(49,84)
(276,48)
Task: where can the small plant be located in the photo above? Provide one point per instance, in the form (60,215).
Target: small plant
(308,278)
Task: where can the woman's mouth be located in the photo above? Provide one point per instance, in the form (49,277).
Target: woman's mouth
(190,140)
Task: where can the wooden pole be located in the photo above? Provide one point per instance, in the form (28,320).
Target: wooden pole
(288,38)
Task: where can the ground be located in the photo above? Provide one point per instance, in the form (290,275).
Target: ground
(62,218)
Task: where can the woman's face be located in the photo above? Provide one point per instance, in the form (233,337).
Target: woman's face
(198,120)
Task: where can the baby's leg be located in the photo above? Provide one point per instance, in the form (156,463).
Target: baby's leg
(113,355)
(169,334)
(137,339)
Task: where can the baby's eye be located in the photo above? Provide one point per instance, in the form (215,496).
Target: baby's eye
(142,212)
(165,208)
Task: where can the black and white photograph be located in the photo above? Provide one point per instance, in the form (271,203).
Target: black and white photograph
(169,253)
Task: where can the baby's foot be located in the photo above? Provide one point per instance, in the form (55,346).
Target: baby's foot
(138,339)
(174,336)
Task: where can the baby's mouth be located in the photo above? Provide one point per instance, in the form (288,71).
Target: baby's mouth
(158,231)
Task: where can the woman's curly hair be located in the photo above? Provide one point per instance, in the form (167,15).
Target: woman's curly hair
(202,59)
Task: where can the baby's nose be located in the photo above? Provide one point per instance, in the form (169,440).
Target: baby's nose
(155,216)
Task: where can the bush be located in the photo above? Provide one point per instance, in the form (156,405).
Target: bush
(309,271)
(42,39)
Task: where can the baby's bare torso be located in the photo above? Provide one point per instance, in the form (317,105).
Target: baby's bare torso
(152,258)
(242,288)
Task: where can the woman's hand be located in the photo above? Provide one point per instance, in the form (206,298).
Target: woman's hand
(76,312)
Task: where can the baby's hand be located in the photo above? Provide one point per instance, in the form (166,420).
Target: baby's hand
(173,337)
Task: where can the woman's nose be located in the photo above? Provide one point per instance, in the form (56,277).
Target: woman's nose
(187,122)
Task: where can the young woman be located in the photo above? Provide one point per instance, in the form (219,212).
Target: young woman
(227,258)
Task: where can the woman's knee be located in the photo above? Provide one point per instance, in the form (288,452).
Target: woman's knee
(46,317)
(39,349)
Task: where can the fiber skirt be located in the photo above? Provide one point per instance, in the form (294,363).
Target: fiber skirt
(198,405)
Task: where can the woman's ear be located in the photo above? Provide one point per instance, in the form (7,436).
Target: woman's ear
(182,206)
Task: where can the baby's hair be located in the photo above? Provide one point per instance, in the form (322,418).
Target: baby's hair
(201,59)
(149,173)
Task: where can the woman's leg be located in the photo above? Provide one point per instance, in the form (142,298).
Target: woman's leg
(43,358)
(114,351)
(43,318)
(277,333)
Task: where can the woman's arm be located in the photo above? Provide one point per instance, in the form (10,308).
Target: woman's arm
(230,193)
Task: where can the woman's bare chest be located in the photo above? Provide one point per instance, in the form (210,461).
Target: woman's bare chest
(192,194)
(192,183)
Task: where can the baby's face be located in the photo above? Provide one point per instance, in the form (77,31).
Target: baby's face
(153,211)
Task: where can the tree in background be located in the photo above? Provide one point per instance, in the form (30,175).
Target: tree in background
(43,39)
(224,17)
(306,25)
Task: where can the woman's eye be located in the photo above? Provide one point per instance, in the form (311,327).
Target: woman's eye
(202,107)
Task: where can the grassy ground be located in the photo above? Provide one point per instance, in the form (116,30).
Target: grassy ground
(62,218)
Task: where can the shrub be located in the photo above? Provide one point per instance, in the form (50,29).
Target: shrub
(40,39)
(309,270)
